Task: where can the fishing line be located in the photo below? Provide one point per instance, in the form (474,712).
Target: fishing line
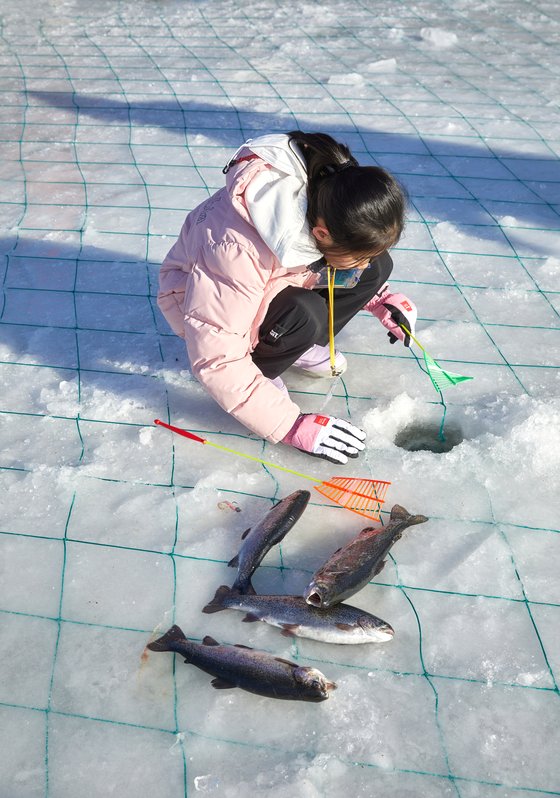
(330,394)
(331,273)
(441,434)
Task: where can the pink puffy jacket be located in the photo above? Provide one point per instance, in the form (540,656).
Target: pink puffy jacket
(216,284)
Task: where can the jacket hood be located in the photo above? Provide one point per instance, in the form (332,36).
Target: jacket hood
(276,199)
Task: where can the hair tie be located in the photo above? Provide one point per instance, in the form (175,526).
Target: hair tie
(345,165)
(333,169)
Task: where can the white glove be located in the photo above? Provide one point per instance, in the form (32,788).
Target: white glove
(325,436)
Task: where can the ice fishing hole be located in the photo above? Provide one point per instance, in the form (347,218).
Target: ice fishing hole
(426,437)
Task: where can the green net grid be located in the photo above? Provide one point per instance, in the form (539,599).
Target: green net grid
(117,120)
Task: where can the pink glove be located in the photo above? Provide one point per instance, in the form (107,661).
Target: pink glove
(324,436)
(393,310)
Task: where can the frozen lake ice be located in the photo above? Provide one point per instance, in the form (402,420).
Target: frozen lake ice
(116,120)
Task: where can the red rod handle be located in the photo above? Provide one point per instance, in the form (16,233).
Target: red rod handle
(185,433)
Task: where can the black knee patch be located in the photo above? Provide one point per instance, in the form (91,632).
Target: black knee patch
(296,310)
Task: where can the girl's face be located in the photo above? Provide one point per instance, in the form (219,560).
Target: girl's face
(337,260)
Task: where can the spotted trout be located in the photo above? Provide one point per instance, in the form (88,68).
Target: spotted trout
(352,566)
(340,624)
(269,531)
(244,667)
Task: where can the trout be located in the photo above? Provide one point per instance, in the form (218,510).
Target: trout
(352,566)
(342,624)
(260,538)
(244,667)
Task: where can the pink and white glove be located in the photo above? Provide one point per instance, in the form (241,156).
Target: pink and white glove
(393,310)
(324,436)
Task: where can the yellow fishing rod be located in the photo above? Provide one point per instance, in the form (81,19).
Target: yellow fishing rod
(331,274)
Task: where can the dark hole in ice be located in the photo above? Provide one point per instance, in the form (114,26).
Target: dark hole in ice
(426,437)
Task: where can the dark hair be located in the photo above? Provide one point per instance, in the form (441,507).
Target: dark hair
(362,206)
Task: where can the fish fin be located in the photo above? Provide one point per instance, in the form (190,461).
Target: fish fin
(250,618)
(369,531)
(163,643)
(244,535)
(341,569)
(286,662)
(344,626)
(221,684)
(289,629)
(378,568)
(209,641)
(216,605)
(240,645)
(234,562)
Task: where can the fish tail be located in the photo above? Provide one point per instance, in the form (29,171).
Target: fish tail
(165,643)
(417,519)
(217,603)
(243,587)
(399,513)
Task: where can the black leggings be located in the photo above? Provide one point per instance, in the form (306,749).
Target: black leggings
(298,318)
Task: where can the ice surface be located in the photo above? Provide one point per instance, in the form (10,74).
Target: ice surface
(384,65)
(439,37)
(115,121)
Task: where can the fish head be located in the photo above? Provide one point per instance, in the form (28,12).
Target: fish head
(375,629)
(317,594)
(315,683)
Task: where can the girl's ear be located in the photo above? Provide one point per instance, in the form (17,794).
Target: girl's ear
(322,234)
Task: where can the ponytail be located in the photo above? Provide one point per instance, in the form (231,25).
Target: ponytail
(362,206)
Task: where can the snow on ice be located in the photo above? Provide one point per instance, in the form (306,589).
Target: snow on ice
(117,118)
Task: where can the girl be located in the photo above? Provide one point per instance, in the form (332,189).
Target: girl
(244,283)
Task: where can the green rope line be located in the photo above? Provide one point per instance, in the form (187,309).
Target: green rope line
(57,641)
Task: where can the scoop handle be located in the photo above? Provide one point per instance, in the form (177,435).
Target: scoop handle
(185,433)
